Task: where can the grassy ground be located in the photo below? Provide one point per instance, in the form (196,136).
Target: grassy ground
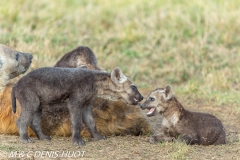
(191,45)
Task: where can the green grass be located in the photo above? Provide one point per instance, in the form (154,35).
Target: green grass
(191,45)
(176,150)
(9,148)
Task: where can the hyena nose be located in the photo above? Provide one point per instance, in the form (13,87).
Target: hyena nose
(30,56)
(141,98)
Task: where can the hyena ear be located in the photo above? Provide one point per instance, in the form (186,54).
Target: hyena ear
(117,76)
(168,92)
(82,66)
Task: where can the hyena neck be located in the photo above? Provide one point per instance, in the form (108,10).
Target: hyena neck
(106,89)
(174,108)
(3,82)
(4,79)
(1,95)
(2,91)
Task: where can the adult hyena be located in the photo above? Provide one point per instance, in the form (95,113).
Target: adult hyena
(12,64)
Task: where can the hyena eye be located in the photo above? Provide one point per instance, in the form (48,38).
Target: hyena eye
(17,56)
(152,99)
(133,87)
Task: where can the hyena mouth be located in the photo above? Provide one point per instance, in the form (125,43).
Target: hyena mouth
(135,100)
(151,111)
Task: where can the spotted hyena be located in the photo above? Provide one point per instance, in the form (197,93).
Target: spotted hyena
(12,64)
(75,86)
(181,124)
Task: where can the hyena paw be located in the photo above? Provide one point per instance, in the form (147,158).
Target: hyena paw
(42,137)
(99,137)
(79,142)
(152,139)
(26,140)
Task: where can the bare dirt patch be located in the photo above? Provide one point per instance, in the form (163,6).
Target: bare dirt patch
(131,147)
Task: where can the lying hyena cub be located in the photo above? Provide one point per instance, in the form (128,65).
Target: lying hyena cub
(75,86)
(181,124)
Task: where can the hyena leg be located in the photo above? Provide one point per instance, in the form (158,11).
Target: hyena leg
(160,138)
(76,123)
(221,139)
(90,123)
(189,139)
(23,121)
(36,126)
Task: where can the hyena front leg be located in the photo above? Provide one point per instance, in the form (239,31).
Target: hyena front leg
(36,126)
(188,139)
(90,123)
(160,138)
(76,122)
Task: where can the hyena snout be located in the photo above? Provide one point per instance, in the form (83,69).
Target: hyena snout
(152,110)
(132,98)
(143,106)
(136,97)
(140,97)
(28,56)
(25,60)
(146,105)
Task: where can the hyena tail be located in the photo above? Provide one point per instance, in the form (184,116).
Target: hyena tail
(13,100)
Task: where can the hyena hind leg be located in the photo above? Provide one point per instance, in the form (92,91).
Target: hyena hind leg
(188,139)
(36,126)
(221,139)
(90,123)
(23,121)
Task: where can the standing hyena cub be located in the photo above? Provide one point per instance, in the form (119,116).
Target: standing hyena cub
(75,86)
(181,124)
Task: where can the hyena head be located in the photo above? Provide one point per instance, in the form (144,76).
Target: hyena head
(125,87)
(157,101)
(80,57)
(13,62)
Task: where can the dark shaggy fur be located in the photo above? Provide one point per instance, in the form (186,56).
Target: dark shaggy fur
(79,57)
(181,124)
(76,87)
(112,117)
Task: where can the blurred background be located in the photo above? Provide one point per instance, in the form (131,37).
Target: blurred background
(191,45)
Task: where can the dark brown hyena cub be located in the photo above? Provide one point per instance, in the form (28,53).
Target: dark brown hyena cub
(180,124)
(75,86)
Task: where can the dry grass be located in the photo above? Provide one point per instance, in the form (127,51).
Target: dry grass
(192,45)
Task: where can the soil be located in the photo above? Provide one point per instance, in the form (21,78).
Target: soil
(131,147)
